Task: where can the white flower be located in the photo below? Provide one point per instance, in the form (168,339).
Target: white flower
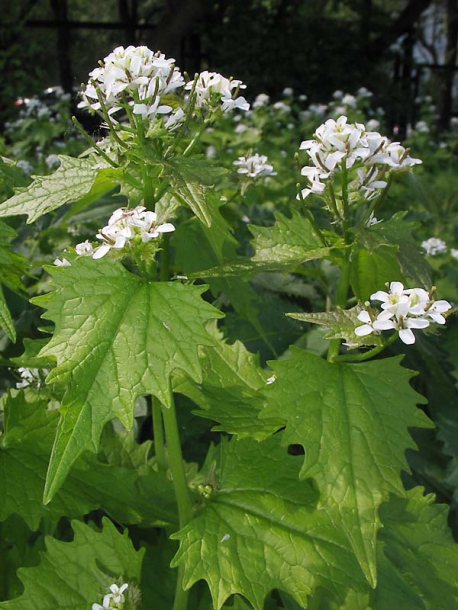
(174,120)
(134,75)
(403,310)
(338,144)
(62,262)
(212,85)
(31,376)
(454,253)
(254,166)
(436,310)
(124,225)
(84,248)
(434,246)
(114,600)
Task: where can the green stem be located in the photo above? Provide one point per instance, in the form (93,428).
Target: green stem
(176,463)
(183,499)
(159,444)
(165,258)
(345,218)
(366,355)
(381,199)
(106,115)
(92,144)
(194,140)
(181,596)
(148,191)
(333,201)
(341,301)
(310,217)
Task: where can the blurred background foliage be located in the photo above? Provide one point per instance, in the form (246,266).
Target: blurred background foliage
(397,48)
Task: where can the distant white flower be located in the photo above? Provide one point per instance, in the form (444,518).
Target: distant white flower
(52,161)
(254,166)
(421,127)
(373,125)
(25,166)
(434,246)
(288,92)
(261,100)
(364,92)
(349,100)
(282,107)
(454,253)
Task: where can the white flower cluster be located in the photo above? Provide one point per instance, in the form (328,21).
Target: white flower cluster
(434,246)
(31,377)
(254,166)
(133,75)
(211,86)
(338,144)
(403,310)
(140,78)
(124,225)
(114,600)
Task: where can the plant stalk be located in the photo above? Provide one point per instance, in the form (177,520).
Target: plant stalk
(176,465)
(158,429)
(341,301)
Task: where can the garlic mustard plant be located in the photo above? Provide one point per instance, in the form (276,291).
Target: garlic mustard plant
(165,427)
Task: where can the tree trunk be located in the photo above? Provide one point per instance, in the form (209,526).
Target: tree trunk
(59,8)
(448,72)
(128,15)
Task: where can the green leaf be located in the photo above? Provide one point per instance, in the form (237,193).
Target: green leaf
(117,336)
(340,324)
(105,180)
(232,389)
(74,575)
(290,241)
(12,268)
(72,180)
(372,269)
(352,421)
(261,530)
(191,179)
(121,480)
(400,232)
(417,556)
(11,176)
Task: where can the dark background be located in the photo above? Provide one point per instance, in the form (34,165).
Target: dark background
(398,49)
